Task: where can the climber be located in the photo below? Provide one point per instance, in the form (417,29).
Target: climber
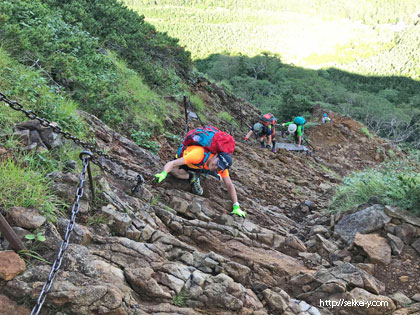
(265,128)
(196,159)
(325,118)
(296,128)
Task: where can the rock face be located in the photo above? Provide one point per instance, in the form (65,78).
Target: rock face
(164,250)
(365,221)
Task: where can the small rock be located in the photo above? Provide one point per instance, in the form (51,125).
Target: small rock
(400,298)
(403,278)
(375,246)
(11,265)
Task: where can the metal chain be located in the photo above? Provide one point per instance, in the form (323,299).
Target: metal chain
(85,157)
(46,123)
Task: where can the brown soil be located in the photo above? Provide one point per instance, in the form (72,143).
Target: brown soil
(402,275)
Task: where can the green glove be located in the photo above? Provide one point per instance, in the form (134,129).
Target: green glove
(237,210)
(161,176)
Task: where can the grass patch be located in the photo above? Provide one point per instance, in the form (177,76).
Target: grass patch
(32,91)
(326,169)
(197,103)
(225,116)
(172,137)
(142,138)
(97,220)
(147,108)
(394,183)
(366,132)
(23,187)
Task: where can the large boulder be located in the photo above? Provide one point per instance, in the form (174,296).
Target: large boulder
(365,221)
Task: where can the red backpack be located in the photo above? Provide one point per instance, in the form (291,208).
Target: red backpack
(268,119)
(211,139)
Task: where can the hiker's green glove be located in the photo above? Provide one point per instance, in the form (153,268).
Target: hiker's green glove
(237,210)
(161,176)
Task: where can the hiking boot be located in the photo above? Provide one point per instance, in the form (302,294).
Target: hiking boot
(273,149)
(195,184)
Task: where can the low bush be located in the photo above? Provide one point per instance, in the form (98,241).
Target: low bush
(394,183)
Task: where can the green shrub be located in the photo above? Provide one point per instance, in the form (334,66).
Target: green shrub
(70,51)
(153,54)
(181,298)
(394,183)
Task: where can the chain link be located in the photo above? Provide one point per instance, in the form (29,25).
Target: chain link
(65,242)
(46,123)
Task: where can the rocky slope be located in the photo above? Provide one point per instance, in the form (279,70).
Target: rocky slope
(163,250)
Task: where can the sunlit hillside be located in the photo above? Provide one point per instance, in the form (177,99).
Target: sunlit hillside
(359,36)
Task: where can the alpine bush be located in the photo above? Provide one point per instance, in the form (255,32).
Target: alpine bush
(393,183)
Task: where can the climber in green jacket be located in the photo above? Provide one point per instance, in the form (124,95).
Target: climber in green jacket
(296,128)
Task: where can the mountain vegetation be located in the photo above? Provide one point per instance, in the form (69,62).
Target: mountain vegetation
(264,52)
(83,56)
(117,80)
(375,37)
(100,57)
(57,58)
(388,106)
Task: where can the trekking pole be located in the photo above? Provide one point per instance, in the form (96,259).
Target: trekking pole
(240,115)
(185,109)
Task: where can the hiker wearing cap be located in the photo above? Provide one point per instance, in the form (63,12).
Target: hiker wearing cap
(296,128)
(198,158)
(265,129)
(325,118)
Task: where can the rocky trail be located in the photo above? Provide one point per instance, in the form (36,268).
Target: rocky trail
(164,250)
